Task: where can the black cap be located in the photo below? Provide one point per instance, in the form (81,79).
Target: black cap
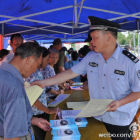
(88,39)
(102,24)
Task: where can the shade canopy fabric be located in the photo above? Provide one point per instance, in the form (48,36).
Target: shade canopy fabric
(66,19)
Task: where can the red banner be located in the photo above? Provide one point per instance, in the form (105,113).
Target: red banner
(1,42)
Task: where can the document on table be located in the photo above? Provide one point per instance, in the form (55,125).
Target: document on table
(77,105)
(58,100)
(68,114)
(77,84)
(95,107)
(33,92)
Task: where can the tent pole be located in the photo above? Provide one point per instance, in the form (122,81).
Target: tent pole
(36,29)
(138,34)
(79,13)
(138,43)
(75,11)
(35,14)
(134,43)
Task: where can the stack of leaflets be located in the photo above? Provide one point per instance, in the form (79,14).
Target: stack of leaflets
(66,134)
(63,123)
(81,122)
(65,129)
(65,114)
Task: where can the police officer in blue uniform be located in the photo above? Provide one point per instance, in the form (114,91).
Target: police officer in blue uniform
(113,73)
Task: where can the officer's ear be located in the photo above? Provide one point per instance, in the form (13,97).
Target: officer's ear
(108,36)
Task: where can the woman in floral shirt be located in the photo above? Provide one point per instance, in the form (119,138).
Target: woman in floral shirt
(49,72)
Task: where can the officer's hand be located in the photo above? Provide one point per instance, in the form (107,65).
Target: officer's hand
(85,85)
(39,83)
(113,106)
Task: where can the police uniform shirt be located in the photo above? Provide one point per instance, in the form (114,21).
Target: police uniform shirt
(112,79)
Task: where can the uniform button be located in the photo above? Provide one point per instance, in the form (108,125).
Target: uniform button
(104,75)
(118,79)
(103,87)
(105,61)
(90,71)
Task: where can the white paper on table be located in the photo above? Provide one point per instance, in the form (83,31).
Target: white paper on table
(77,105)
(95,107)
(59,99)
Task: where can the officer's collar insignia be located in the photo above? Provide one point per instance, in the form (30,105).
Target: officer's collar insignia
(130,56)
(138,74)
(92,64)
(119,72)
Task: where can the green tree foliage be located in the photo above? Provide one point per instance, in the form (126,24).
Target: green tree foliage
(124,40)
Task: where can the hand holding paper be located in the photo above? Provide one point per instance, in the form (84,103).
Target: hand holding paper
(33,92)
(95,107)
(113,106)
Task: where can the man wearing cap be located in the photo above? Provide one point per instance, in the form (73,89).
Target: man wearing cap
(113,73)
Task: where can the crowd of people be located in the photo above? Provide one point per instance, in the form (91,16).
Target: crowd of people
(107,70)
(46,64)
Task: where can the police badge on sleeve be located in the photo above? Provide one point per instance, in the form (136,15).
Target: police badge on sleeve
(138,74)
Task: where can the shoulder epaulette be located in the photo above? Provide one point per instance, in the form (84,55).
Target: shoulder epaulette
(130,56)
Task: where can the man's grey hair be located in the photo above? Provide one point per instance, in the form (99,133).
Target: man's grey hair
(28,49)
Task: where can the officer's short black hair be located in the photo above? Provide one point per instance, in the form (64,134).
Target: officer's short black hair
(28,49)
(15,35)
(89,38)
(57,41)
(86,46)
(3,52)
(84,51)
(74,55)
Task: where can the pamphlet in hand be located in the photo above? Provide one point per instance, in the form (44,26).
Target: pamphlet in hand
(33,92)
(58,100)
